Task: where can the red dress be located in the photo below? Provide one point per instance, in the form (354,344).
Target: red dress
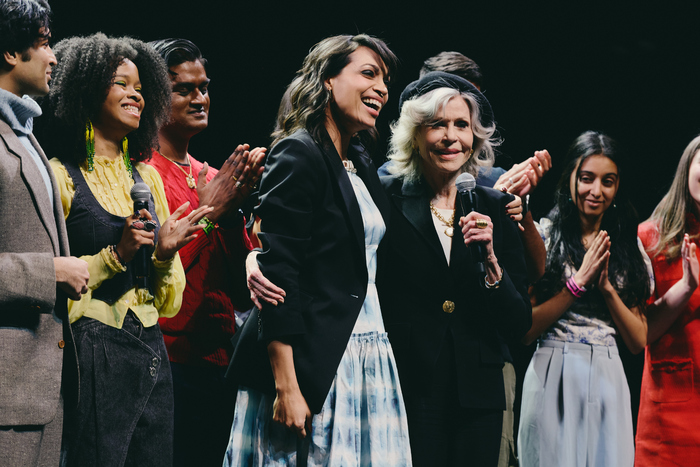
(668,426)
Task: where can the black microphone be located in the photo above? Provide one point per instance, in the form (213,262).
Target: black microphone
(465,184)
(140,193)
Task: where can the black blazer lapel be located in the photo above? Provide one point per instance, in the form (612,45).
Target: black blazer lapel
(414,203)
(368,173)
(337,170)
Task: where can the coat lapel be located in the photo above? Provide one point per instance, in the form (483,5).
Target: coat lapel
(368,173)
(35,182)
(352,209)
(414,203)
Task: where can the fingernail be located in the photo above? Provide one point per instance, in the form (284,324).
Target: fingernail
(281,300)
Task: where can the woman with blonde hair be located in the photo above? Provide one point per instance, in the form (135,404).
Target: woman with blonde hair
(667,433)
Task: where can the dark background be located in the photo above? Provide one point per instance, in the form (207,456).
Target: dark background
(551,71)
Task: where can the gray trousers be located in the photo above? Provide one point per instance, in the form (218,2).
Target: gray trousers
(576,408)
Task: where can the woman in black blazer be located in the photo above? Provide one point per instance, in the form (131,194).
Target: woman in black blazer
(319,363)
(442,313)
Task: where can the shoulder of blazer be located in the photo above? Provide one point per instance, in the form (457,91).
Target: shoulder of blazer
(391,184)
(492,196)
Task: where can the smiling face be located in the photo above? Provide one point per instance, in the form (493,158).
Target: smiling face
(596,187)
(121,111)
(32,68)
(359,92)
(445,144)
(190,99)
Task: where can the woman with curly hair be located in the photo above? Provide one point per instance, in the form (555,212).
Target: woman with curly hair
(108,98)
(667,432)
(576,402)
(318,366)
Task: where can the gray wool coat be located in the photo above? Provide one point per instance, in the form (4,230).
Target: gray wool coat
(34,332)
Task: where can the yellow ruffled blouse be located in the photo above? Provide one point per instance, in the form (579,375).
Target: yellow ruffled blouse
(111,184)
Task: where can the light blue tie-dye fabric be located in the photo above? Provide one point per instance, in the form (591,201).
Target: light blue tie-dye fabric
(363,420)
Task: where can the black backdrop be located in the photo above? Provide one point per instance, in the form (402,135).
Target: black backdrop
(551,71)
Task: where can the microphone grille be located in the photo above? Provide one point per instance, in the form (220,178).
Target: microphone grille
(140,192)
(465,182)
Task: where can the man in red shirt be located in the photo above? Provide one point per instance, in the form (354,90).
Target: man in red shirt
(198,337)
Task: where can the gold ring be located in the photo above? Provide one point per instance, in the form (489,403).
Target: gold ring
(235,179)
(252,167)
(481,223)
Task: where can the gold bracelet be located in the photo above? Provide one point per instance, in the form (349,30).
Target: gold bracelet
(208,225)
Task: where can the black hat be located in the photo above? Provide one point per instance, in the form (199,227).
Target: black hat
(439,79)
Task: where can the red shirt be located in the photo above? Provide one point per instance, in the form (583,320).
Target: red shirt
(668,429)
(214,265)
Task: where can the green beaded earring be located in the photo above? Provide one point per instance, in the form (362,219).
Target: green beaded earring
(127,160)
(90,145)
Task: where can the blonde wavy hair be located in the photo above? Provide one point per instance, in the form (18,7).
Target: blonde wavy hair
(423,110)
(670,215)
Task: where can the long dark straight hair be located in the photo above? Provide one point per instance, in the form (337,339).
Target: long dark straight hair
(627,271)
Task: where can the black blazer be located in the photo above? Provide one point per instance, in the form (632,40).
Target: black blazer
(314,248)
(415,282)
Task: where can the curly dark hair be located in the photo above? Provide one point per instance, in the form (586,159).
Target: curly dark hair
(304,103)
(21,22)
(626,267)
(81,82)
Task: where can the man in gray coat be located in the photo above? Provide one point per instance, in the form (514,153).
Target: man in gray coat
(36,273)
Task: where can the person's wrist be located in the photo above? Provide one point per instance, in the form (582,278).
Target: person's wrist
(162,254)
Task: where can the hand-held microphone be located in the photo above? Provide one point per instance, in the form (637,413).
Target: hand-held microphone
(465,184)
(140,193)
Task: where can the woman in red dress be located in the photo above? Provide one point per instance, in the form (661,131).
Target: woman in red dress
(667,428)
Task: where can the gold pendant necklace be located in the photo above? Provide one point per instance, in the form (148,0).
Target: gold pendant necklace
(449,231)
(188,176)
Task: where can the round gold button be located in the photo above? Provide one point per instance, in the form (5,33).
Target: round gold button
(448,306)
(61,344)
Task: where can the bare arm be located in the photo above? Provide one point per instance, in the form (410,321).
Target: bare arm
(665,311)
(546,313)
(535,252)
(631,323)
(290,407)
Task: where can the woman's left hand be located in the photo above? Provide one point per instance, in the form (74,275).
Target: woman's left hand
(604,284)
(176,233)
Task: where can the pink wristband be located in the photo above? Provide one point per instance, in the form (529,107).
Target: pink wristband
(574,288)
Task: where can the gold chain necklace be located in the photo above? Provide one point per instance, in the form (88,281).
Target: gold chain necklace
(188,176)
(449,231)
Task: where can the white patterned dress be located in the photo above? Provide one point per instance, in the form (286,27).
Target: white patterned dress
(363,419)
